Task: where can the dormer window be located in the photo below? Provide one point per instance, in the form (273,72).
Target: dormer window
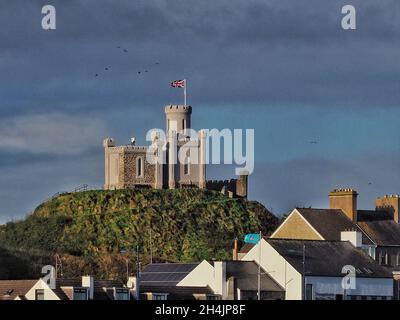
(121,294)
(160,296)
(80,294)
(383,258)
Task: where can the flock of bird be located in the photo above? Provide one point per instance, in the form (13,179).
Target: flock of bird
(139,72)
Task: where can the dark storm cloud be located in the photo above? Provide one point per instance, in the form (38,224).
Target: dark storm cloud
(278,52)
(306,181)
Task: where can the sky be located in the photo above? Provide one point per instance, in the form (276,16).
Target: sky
(284,68)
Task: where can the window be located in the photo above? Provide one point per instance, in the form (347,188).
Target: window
(309,291)
(186,167)
(39,294)
(139,167)
(382,257)
(80,294)
(121,294)
(160,296)
(213,297)
(183,124)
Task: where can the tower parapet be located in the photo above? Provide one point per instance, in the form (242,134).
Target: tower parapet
(178,117)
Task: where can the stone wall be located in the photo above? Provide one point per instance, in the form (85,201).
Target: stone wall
(218,185)
(128,170)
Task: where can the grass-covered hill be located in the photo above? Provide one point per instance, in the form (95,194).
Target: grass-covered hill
(89,230)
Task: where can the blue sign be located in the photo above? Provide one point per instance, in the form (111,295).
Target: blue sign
(252,238)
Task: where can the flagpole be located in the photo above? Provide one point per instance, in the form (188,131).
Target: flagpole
(259,268)
(184,92)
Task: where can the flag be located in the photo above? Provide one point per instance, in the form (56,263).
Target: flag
(178,84)
(252,238)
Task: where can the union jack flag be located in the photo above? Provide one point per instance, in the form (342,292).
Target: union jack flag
(178,84)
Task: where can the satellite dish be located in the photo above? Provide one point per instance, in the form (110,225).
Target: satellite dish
(133,141)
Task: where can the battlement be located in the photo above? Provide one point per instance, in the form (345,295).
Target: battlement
(108,143)
(342,191)
(390,196)
(178,108)
(129,165)
(128,149)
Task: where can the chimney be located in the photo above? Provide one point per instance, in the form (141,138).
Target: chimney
(346,200)
(242,184)
(235,250)
(133,287)
(390,204)
(220,279)
(88,282)
(355,237)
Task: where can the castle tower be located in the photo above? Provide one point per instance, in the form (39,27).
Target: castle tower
(178,117)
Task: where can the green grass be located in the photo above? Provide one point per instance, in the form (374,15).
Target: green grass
(89,229)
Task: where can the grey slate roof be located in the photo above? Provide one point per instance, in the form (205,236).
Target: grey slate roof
(246,275)
(102,288)
(327,258)
(380,227)
(165,274)
(330,222)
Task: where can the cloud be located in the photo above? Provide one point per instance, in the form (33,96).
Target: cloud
(53,134)
(28,184)
(284,61)
(306,181)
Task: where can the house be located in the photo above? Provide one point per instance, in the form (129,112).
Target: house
(380,228)
(86,288)
(316,269)
(207,280)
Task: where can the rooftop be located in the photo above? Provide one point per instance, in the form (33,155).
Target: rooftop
(165,274)
(329,223)
(327,258)
(11,289)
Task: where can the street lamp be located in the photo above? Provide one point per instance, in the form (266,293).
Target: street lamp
(125,251)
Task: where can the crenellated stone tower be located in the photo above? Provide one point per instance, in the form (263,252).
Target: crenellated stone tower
(185,154)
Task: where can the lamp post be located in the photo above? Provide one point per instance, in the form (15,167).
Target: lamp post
(125,251)
(259,268)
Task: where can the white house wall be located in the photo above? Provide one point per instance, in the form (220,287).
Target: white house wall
(201,276)
(278,268)
(48,293)
(364,286)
